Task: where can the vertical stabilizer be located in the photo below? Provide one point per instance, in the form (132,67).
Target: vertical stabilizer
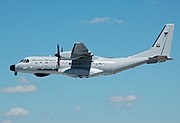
(162,45)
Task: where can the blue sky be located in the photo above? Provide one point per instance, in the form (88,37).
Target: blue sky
(146,94)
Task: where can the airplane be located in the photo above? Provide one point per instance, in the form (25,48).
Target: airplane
(81,63)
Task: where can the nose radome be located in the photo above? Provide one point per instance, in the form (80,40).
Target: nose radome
(12,67)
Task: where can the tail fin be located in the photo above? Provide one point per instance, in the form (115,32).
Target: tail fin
(162,45)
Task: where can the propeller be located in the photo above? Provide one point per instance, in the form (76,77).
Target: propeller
(58,55)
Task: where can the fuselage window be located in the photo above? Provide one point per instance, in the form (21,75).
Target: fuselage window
(46,63)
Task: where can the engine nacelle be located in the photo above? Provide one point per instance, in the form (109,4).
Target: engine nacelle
(67,56)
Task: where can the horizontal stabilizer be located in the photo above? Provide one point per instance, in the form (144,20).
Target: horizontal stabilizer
(156,59)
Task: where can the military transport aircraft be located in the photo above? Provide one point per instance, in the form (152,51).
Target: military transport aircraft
(81,63)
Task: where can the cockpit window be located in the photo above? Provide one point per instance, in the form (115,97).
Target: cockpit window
(25,60)
(22,60)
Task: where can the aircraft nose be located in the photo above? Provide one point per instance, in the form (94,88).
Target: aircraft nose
(12,67)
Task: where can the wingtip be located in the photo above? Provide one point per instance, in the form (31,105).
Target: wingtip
(78,42)
(170,24)
(170,58)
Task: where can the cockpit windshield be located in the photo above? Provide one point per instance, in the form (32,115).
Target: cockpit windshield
(25,60)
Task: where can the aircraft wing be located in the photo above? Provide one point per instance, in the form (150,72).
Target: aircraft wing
(80,51)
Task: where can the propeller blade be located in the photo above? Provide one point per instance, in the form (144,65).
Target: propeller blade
(58,49)
(58,55)
(62,49)
(59,61)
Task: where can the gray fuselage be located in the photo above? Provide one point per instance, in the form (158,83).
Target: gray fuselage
(74,68)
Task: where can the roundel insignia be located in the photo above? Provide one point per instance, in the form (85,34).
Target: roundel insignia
(158,45)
